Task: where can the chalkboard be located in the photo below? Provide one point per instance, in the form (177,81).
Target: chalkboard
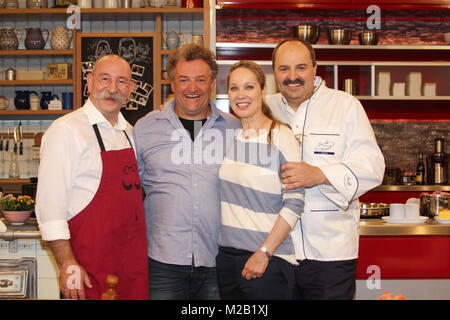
(138,49)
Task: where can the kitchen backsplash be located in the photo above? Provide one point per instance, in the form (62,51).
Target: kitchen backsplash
(402,141)
(27,167)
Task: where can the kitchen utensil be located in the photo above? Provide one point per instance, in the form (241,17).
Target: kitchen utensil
(20,137)
(438,202)
(368,38)
(307,33)
(1,142)
(7,142)
(392,220)
(425,205)
(339,36)
(15,139)
(412,210)
(371,210)
(22,99)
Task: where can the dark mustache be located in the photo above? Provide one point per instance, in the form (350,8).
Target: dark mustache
(296,81)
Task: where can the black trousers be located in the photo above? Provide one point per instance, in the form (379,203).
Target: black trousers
(277,282)
(325,280)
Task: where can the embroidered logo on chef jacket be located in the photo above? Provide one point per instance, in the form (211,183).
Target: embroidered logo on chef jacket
(326,146)
(347,182)
(129,175)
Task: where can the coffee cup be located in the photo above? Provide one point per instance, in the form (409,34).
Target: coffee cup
(397,210)
(67,100)
(412,210)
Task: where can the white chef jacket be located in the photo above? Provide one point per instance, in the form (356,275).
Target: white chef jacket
(338,138)
(71,166)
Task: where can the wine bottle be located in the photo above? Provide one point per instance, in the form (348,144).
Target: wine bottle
(420,171)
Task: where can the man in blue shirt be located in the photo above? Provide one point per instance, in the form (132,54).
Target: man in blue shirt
(179,152)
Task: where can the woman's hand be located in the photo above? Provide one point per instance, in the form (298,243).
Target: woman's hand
(255,266)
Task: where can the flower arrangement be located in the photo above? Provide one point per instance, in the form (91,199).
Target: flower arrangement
(21,203)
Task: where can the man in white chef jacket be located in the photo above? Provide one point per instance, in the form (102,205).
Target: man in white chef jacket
(340,161)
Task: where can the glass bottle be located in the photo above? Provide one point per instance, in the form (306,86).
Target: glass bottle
(420,171)
(14,167)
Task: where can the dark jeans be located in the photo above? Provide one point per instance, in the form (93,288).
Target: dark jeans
(325,280)
(277,282)
(174,282)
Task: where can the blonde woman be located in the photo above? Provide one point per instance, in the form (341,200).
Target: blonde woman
(257,251)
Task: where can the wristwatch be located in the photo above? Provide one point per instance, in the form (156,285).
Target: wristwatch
(266,252)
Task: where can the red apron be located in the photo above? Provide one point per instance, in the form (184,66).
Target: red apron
(109,235)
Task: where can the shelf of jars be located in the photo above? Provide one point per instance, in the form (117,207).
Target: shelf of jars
(388,80)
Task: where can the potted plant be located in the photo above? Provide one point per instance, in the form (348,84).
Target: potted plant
(16,210)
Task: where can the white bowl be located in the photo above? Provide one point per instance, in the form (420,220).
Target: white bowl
(447,37)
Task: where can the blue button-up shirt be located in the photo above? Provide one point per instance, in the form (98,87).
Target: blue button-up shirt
(180,180)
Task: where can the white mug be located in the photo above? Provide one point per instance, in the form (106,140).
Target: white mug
(397,210)
(111,4)
(412,210)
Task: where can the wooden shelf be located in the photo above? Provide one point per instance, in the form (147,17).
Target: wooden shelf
(63,11)
(33,112)
(24,52)
(14,181)
(420,188)
(35,82)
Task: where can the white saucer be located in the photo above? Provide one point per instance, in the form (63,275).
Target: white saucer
(404,220)
(443,221)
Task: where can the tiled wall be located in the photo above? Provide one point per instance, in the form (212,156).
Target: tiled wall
(27,166)
(402,141)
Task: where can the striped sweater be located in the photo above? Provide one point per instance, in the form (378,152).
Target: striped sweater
(252,195)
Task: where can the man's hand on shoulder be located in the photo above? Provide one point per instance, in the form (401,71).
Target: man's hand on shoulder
(300,174)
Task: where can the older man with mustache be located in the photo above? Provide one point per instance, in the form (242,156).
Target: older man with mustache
(89,201)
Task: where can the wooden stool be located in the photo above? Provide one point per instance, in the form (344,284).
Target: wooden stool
(111,283)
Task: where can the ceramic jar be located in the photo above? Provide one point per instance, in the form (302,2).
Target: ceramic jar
(37,4)
(45,99)
(11,4)
(172,40)
(36,39)
(22,99)
(60,38)
(9,39)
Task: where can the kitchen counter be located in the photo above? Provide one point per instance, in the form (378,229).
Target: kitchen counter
(377,227)
(29,230)
(368,227)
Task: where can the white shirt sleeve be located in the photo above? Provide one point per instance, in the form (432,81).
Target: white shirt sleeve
(362,166)
(59,154)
